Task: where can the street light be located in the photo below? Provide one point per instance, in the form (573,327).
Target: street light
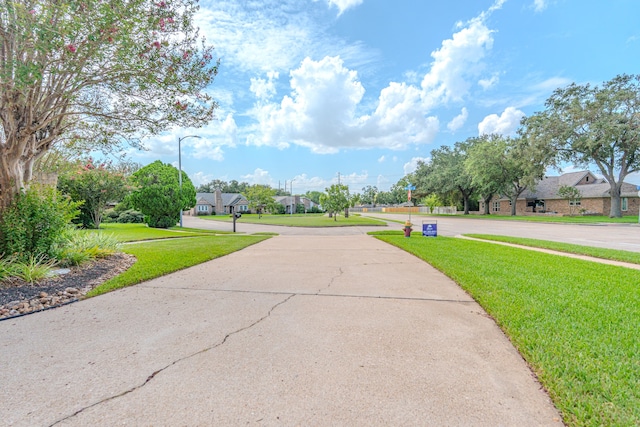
(180,169)
(293,200)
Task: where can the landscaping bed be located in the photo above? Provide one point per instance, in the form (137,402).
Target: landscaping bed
(18,297)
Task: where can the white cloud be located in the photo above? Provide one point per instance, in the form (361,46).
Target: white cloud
(412,164)
(264,89)
(490,82)
(303,183)
(540,5)
(459,120)
(259,36)
(505,124)
(213,137)
(320,112)
(354,180)
(381,159)
(200,178)
(259,176)
(551,84)
(457,60)
(383,183)
(343,5)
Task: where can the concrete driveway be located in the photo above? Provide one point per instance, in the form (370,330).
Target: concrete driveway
(296,330)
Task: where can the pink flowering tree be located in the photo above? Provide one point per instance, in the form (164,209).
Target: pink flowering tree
(96,186)
(104,71)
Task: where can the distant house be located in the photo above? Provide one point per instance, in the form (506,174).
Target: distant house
(292,201)
(595,197)
(219,203)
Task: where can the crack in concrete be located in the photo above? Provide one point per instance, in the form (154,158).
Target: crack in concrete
(333,279)
(175,362)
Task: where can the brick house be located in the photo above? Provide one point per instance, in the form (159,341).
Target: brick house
(289,201)
(219,203)
(595,197)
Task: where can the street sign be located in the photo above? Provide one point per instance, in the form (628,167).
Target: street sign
(409,187)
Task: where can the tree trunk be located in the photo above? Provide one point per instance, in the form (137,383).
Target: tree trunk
(465,199)
(616,206)
(513,205)
(487,201)
(15,175)
(346,212)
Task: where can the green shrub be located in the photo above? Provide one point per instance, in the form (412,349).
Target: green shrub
(34,268)
(130,216)
(7,268)
(33,225)
(110,215)
(81,247)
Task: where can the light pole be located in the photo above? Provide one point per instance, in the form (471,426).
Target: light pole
(293,199)
(180,170)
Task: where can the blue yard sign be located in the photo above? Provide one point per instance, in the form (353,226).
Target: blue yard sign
(429,230)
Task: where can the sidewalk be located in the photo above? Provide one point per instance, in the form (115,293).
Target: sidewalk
(297,330)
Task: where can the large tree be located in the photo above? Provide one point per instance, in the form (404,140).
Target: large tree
(336,199)
(108,72)
(260,198)
(369,195)
(159,195)
(506,165)
(595,125)
(445,173)
(96,185)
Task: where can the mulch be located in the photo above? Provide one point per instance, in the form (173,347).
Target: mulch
(81,278)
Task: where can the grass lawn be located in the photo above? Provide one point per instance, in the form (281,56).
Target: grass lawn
(157,258)
(575,322)
(300,220)
(137,232)
(617,255)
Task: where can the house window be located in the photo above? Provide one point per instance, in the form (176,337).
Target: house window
(496,206)
(625,203)
(244,208)
(575,202)
(203,208)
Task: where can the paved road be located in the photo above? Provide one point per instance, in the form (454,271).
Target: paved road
(614,236)
(296,330)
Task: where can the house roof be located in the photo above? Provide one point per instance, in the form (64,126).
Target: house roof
(208,198)
(228,199)
(547,188)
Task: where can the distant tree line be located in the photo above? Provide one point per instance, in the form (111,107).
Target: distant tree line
(581,124)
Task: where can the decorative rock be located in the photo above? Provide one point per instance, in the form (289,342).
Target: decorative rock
(72,291)
(43,295)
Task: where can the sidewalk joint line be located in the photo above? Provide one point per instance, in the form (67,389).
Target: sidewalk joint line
(314,294)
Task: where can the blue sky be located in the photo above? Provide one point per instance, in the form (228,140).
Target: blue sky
(309,89)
